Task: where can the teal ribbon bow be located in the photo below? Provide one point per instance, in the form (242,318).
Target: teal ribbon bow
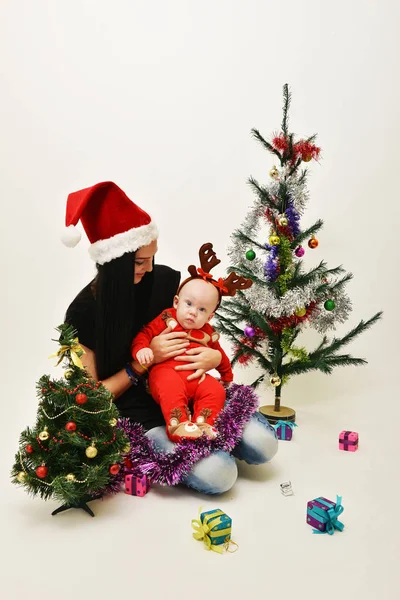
(333,514)
(285,423)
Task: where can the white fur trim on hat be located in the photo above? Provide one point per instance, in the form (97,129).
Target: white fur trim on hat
(104,251)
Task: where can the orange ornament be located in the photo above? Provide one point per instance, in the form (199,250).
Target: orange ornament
(313,243)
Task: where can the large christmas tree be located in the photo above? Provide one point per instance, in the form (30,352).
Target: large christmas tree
(264,322)
(75,449)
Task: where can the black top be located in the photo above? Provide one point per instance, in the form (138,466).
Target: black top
(135,403)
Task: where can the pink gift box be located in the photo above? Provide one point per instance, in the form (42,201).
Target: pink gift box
(348,441)
(136,486)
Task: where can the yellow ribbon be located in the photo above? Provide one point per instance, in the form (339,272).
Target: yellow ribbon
(75,351)
(202,531)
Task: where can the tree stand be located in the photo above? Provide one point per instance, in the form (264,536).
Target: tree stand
(276,412)
(82,504)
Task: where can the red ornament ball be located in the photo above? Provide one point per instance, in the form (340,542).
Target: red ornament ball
(114,469)
(70,426)
(128,463)
(29,448)
(41,472)
(81,398)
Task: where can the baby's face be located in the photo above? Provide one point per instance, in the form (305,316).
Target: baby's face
(196,304)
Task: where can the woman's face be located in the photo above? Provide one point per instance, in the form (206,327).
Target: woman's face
(144,260)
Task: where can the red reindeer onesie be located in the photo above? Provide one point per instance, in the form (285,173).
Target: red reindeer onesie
(172,390)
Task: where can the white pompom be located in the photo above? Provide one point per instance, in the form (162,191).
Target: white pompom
(71,236)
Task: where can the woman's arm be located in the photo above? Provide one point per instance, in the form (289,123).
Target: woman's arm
(116,384)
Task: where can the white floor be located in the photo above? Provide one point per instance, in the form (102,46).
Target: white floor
(144,546)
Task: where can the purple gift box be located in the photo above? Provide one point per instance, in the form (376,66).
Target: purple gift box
(136,486)
(284,430)
(322,514)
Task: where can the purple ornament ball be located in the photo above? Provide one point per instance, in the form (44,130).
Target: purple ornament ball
(249,331)
(299,251)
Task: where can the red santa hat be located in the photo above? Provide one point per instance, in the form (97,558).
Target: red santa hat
(113,223)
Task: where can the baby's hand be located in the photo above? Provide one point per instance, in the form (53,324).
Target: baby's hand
(145,356)
(226,384)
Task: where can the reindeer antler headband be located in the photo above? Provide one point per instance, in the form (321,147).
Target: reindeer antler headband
(209,260)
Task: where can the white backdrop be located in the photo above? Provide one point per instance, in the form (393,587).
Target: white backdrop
(160,97)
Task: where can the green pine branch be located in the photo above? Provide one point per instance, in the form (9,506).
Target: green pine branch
(307,233)
(262,193)
(324,358)
(338,343)
(303,176)
(287,97)
(341,283)
(302,279)
(239,235)
(257,135)
(335,271)
(230,330)
(295,167)
(257,381)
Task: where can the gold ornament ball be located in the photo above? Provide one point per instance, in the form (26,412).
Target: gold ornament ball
(313,243)
(44,435)
(307,158)
(274,240)
(126,449)
(21,477)
(300,312)
(68,374)
(283,221)
(70,477)
(274,173)
(113,422)
(91,452)
(275,380)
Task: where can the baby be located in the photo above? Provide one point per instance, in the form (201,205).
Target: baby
(194,306)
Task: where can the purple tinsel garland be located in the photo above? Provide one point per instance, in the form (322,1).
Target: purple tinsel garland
(293,218)
(170,468)
(271,266)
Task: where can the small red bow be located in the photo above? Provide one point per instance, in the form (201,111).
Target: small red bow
(220,285)
(203,274)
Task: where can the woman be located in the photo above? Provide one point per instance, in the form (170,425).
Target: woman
(129,291)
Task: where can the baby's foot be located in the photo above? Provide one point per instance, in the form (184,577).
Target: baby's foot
(185,430)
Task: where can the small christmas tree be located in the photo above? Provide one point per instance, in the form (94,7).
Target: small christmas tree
(75,448)
(265,321)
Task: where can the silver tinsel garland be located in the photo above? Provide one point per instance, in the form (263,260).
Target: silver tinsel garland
(264,299)
(323,320)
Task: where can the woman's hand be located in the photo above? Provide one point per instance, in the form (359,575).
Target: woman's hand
(168,344)
(200,360)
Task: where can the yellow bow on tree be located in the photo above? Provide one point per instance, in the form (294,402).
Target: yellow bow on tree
(73,351)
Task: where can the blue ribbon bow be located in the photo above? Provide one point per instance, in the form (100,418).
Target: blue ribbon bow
(285,423)
(333,514)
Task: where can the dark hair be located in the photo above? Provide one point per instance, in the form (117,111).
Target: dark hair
(121,311)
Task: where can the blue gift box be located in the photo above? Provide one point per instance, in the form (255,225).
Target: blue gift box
(220,526)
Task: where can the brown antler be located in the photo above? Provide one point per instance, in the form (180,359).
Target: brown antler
(236,282)
(208,260)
